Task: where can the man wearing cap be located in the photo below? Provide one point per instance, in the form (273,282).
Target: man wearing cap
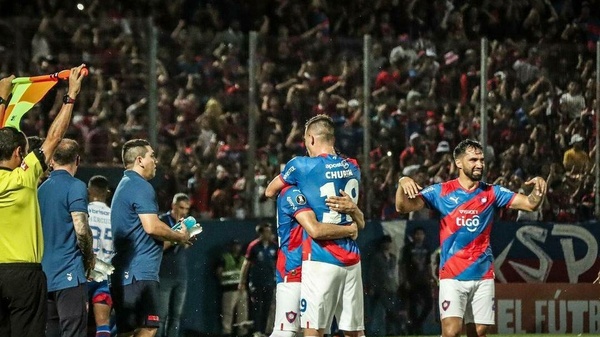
(575,159)
(415,153)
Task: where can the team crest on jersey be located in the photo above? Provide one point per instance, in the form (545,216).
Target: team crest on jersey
(483,200)
(291,316)
(301,199)
(24,166)
(445,305)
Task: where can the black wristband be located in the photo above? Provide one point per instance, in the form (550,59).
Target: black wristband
(3,101)
(68,100)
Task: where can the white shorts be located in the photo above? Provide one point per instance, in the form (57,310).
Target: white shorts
(329,290)
(287,307)
(473,301)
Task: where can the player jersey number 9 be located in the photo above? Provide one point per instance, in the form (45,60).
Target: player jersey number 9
(328,190)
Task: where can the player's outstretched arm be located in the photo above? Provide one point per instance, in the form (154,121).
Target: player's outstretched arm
(160,230)
(61,123)
(345,204)
(407,196)
(325,231)
(532,201)
(274,187)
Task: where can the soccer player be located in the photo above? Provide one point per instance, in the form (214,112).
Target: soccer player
(466,206)
(137,232)
(24,291)
(331,270)
(294,214)
(99,219)
(68,244)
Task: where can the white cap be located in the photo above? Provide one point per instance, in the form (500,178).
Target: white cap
(414,135)
(443,146)
(576,138)
(353,103)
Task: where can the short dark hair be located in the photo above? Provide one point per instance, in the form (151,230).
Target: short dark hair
(10,139)
(66,152)
(322,125)
(98,182)
(132,149)
(180,197)
(462,147)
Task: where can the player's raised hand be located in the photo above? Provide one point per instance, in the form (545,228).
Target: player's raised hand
(540,185)
(409,187)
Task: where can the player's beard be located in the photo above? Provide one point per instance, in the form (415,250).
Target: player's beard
(474,176)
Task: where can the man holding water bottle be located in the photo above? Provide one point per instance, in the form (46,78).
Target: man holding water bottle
(137,234)
(173,272)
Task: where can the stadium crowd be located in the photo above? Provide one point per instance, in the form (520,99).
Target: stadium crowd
(425,59)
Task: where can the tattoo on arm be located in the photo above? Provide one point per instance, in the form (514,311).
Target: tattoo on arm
(84,234)
(534,199)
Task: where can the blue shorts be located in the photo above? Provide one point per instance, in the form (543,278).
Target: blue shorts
(98,292)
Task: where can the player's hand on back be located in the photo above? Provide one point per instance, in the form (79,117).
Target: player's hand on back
(342,204)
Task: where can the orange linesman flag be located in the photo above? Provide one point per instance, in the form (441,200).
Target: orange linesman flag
(27,91)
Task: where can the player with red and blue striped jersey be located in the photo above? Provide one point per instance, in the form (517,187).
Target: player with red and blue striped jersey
(467,207)
(294,217)
(331,280)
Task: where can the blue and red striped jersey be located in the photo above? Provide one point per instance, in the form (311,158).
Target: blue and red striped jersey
(320,177)
(466,219)
(290,202)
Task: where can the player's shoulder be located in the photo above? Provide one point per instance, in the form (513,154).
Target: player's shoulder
(293,196)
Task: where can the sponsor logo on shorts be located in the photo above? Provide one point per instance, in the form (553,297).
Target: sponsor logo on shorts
(153,318)
(445,305)
(291,316)
(69,277)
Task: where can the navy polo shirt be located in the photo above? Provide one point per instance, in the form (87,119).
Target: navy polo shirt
(137,254)
(174,261)
(58,196)
(262,257)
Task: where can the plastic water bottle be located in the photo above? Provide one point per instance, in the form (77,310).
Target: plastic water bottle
(192,226)
(189,222)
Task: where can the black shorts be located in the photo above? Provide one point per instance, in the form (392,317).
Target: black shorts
(136,305)
(23,293)
(68,312)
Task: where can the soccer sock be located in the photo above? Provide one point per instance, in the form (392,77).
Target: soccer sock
(103,331)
